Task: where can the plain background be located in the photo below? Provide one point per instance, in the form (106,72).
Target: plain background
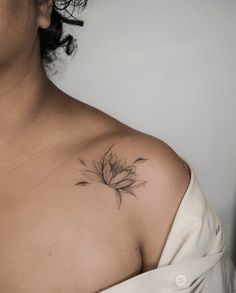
(166,68)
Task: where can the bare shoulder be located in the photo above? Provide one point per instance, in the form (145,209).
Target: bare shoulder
(150,180)
(167,178)
(147,177)
(145,163)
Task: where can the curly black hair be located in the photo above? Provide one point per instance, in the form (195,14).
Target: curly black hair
(51,38)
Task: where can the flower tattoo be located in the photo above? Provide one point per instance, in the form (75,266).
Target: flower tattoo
(114,173)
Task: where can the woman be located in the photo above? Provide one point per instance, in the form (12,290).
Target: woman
(88,203)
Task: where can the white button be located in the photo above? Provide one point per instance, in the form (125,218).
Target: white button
(180,280)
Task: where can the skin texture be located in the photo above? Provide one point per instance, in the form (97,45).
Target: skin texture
(86,202)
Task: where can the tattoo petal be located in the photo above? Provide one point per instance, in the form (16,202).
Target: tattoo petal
(122,184)
(107,172)
(120,176)
(114,173)
(91,175)
(97,167)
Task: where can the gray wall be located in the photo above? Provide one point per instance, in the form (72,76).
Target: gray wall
(166,68)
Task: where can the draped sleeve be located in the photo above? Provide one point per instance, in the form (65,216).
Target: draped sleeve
(195,258)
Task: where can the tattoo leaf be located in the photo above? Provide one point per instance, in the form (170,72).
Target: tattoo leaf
(139,184)
(82,183)
(82,162)
(139,160)
(118,198)
(129,190)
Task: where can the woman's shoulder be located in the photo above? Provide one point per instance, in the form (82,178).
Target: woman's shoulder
(148,175)
(146,157)
(167,177)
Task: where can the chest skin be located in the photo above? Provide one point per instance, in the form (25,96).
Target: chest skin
(59,237)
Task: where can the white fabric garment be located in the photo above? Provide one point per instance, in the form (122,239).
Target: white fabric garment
(194,258)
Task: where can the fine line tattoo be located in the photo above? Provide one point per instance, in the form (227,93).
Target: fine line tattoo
(114,173)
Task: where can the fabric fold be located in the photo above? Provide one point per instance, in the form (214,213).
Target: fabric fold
(195,258)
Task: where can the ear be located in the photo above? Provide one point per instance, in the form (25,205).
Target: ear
(44,13)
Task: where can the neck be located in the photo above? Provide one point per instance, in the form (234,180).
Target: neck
(23,92)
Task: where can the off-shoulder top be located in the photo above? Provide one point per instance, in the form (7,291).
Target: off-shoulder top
(195,257)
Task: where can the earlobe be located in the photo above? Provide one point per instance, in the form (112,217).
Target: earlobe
(44,13)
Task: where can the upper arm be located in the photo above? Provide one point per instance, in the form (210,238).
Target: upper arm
(167,178)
